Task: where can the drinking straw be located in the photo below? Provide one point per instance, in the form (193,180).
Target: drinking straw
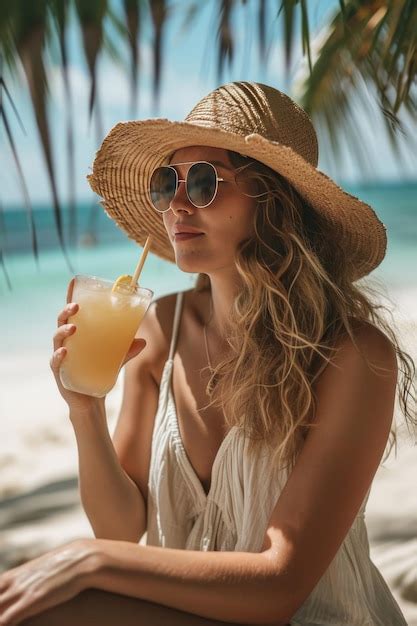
(142,259)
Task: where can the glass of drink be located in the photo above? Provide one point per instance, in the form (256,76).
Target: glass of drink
(106,321)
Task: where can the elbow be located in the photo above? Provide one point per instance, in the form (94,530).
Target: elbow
(275,610)
(280,613)
(117,531)
(117,536)
(281,600)
(275,616)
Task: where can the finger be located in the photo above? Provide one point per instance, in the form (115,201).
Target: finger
(7,597)
(64,331)
(69,310)
(4,582)
(57,358)
(70,290)
(15,613)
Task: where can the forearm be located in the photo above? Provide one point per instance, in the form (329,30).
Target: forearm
(111,500)
(228,586)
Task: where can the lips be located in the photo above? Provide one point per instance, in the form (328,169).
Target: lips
(184,235)
(186,229)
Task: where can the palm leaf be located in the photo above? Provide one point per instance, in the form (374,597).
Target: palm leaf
(225,36)
(91,15)
(355,45)
(114,32)
(26,198)
(208,45)
(59,10)
(305,33)
(262,29)
(159,13)
(190,13)
(29,40)
(8,17)
(287,8)
(2,262)
(132,9)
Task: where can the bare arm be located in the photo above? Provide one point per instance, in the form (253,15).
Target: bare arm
(112,472)
(110,495)
(235,587)
(110,498)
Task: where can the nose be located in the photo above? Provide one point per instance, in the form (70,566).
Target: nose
(180,201)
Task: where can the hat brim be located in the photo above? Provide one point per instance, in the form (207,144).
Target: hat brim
(132,150)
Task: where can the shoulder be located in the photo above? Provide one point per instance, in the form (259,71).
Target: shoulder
(162,311)
(158,325)
(368,344)
(361,373)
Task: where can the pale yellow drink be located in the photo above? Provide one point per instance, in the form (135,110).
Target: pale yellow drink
(106,323)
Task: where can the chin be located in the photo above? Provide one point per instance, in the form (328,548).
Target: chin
(191,262)
(190,266)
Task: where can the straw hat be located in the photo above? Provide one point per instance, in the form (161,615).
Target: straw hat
(254,119)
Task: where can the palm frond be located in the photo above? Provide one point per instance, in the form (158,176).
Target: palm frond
(305,29)
(59,14)
(3,87)
(2,261)
(29,38)
(26,197)
(225,36)
(114,31)
(159,13)
(91,15)
(132,10)
(288,10)
(355,45)
(262,29)
(190,14)
(8,18)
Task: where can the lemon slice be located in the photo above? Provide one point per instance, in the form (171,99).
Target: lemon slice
(123,283)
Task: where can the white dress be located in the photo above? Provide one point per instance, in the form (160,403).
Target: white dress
(235,513)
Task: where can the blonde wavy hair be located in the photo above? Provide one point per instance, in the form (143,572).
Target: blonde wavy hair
(296,299)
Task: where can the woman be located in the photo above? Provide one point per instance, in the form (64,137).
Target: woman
(257,410)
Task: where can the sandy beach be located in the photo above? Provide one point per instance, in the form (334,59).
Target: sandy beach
(39,500)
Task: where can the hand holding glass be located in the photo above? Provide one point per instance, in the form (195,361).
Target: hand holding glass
(106,323)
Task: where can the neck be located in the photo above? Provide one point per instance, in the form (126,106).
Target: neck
(220,302)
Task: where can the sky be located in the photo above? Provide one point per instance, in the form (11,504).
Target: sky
(189,73)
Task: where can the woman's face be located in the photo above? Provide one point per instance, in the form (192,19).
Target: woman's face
(225,222)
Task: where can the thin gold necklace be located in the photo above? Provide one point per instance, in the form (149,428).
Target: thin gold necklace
(205,335)
(214,381)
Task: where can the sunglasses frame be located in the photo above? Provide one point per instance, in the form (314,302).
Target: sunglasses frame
(182,180)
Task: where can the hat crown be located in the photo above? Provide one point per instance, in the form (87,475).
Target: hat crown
(245,108)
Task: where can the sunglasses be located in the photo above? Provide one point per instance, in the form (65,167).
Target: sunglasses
(201,184)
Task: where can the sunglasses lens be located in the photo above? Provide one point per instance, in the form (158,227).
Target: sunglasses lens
(201,184)
(162,187)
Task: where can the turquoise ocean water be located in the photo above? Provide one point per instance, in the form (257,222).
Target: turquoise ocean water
(28,312)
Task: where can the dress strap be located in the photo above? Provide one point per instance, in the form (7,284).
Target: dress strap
(176,324)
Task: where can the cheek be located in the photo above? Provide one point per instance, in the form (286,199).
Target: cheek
(167,224)
(244,220)
(236,227)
